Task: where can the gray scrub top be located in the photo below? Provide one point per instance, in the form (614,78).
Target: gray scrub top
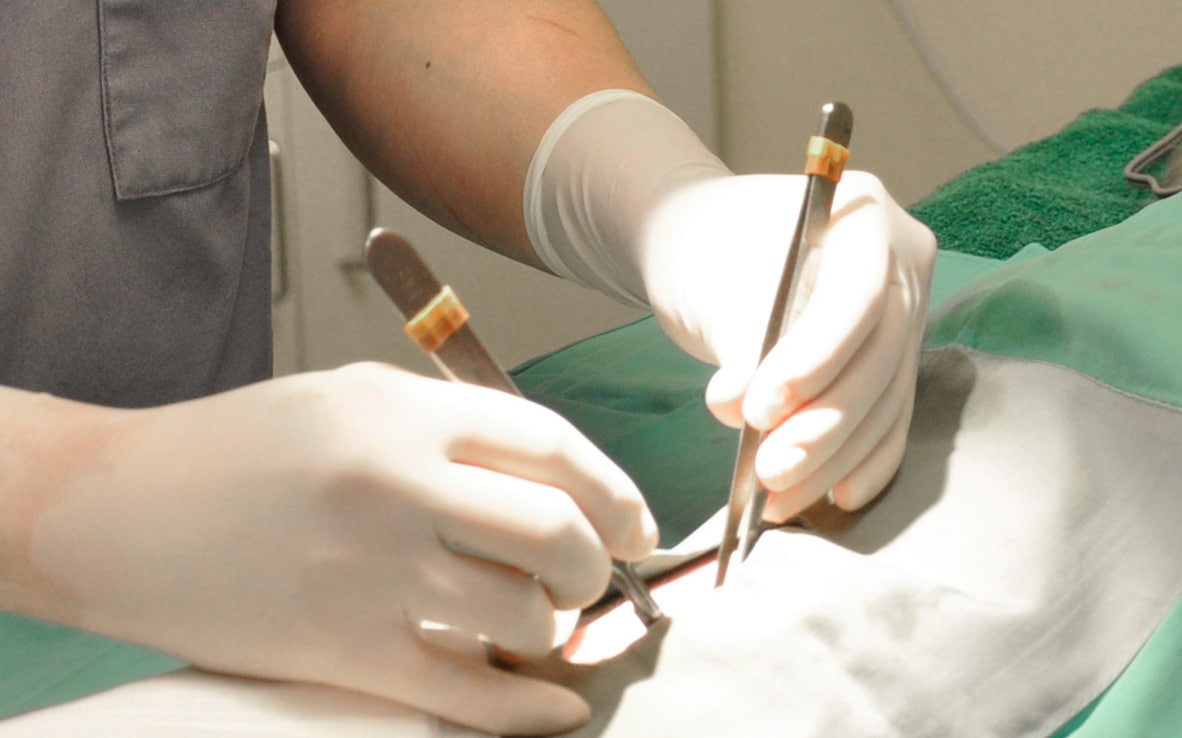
(134,198)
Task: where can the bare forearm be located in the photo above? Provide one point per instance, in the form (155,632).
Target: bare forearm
(446,101)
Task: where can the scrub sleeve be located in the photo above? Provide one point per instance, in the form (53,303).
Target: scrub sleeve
(134,198)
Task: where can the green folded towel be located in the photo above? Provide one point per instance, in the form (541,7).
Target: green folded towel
(1060,188)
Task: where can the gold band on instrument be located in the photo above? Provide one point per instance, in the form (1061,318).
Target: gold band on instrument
(438,321)
(826,158)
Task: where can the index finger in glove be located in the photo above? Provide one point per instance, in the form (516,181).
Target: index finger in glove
(531,527)
(844,307)
(520,439)
(467,691)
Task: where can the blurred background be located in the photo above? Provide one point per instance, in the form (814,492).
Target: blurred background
(937,86)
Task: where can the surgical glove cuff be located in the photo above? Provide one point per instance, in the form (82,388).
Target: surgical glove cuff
(598,171)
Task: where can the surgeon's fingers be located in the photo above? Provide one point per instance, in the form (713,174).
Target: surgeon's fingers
(845,306)
(725,392)
(865,463)
(817,431)
(468,691)
(875,472)
(532,443)
(508,607)
(532,527)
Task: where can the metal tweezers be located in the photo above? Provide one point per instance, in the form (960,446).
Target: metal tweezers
(438,323)
(1136,170)
(827,154)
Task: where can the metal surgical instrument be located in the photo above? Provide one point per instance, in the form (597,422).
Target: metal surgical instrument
(827,155)
(1138,171)
(438,323)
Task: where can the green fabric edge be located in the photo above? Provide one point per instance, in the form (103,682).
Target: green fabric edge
(1076,307)
(54,664)
(1088,306)
(1144,701)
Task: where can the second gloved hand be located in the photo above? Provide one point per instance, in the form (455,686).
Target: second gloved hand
(306,528)
(622,196)
(834,396)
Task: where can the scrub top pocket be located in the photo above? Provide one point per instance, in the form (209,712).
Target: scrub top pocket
(182,85)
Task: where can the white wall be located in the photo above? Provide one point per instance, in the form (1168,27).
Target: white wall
(1023,67)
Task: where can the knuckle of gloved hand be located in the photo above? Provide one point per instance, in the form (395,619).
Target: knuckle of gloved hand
(927,247)
(918,242)
(626,533)
(786,380)
(556,445)
(531,625)
(864,184)
(788,455)
(355,390)
(853,493)
(365,376)
(577,566)
(598,485)
(554,440)
(787,503)
(847,496)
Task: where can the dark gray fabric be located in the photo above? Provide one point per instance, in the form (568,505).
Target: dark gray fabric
(134,198)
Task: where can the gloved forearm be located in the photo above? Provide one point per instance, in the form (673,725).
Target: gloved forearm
(600,171)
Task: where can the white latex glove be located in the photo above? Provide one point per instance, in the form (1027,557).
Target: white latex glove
(836,392)
(303,528)
(624,197)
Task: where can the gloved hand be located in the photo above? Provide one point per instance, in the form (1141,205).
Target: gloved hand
(835,394)
(623,197)
(305,528)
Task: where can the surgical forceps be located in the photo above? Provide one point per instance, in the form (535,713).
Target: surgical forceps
(827,155)
(438,323)
(1137,171)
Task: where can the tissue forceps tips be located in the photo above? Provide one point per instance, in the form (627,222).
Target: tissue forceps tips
(630,584)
